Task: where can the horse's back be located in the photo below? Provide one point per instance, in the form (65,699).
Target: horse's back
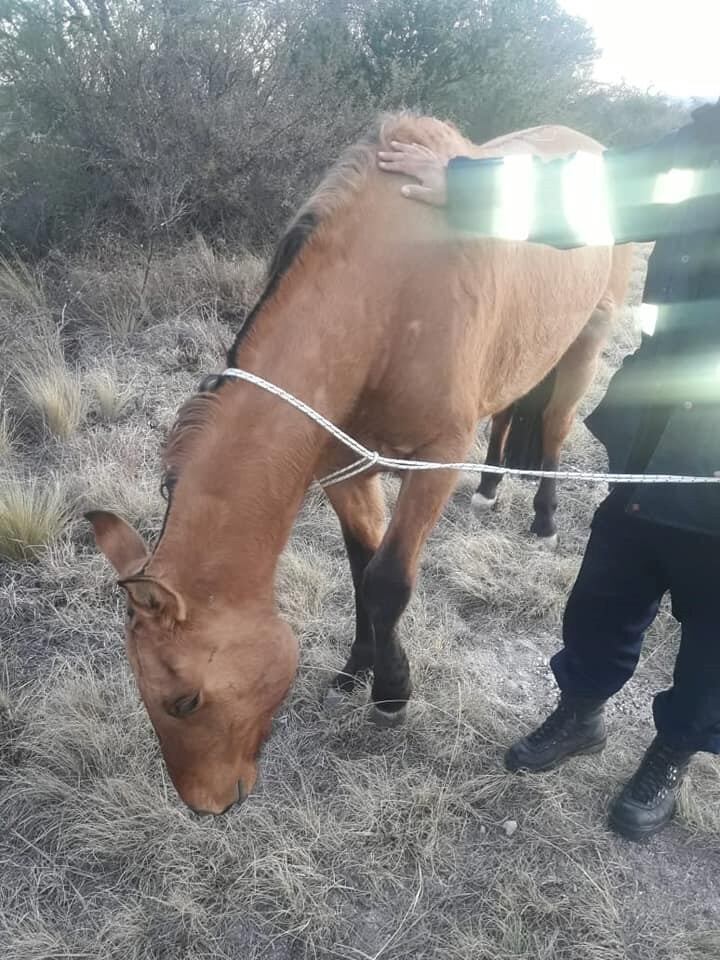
(545,141)
(489,317)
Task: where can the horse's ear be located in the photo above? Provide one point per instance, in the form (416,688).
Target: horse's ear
(153,598)
(124,548)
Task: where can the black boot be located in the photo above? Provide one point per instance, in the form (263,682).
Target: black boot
(577,725)
(648,800)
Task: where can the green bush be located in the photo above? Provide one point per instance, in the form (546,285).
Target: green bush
(153,119)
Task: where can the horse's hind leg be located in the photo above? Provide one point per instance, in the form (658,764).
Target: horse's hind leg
(390,576)
(485,496)
(575,372)
(360,506)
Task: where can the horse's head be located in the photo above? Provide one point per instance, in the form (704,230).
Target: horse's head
(211,676)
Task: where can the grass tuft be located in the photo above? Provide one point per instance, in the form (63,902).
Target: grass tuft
(53,393)
(22,287)
(33,514)
(109,397)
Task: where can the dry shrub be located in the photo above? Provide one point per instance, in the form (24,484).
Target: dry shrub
(33,514)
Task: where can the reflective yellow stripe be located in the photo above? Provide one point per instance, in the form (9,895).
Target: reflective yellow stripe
(514,213)
(674,186)
(585,199)
(647,315)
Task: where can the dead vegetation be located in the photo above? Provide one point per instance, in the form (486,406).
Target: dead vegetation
(358,844)
(33,514)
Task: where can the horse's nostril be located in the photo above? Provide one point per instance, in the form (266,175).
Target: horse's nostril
(240,796)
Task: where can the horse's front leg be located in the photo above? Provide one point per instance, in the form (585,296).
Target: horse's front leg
(390,576)
(360,506)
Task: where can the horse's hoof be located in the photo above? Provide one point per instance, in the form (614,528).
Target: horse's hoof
(480,504)
(386,719)
(548,544)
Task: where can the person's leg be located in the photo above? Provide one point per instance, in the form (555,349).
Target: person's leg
(614,599)
(687,716)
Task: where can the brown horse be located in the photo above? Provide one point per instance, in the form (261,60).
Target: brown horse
(405,336)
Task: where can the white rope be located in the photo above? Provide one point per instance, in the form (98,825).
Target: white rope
(371,458)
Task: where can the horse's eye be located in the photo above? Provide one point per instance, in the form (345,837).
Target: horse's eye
(184,706)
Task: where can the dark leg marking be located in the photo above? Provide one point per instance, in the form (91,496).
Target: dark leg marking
(486,492)
(545,503)
(362,653)
(386,592)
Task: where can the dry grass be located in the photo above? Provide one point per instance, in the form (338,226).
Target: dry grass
(358,843)
(8,430)
(33,514)
(53,394)
(112,300)
(496,570)
(122,297)
(700,798)
(22,288)
(110,398)
(220,280)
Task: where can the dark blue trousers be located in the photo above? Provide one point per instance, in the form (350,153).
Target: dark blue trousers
(629,565)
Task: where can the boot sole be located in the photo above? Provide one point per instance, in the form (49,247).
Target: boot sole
(634,833)
(554,764)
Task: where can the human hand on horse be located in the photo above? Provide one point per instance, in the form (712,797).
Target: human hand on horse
(421,163)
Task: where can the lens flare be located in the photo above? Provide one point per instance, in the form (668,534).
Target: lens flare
(585,199)
(514,214)
(647,316)
(675,186)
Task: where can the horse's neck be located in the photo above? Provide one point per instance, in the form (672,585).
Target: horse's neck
(243,483)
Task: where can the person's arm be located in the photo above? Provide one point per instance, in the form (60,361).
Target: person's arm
(570,202)
(617,197)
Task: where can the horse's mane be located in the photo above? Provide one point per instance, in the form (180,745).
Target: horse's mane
(339,186)
(192,417)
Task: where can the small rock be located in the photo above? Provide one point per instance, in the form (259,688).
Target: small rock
(510,826)
(334,702)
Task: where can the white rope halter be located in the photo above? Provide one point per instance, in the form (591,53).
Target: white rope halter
(371,458)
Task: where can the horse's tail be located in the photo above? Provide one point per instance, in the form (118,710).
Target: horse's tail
(524,446)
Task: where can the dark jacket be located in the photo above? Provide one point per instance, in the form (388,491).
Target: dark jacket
(661,412)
